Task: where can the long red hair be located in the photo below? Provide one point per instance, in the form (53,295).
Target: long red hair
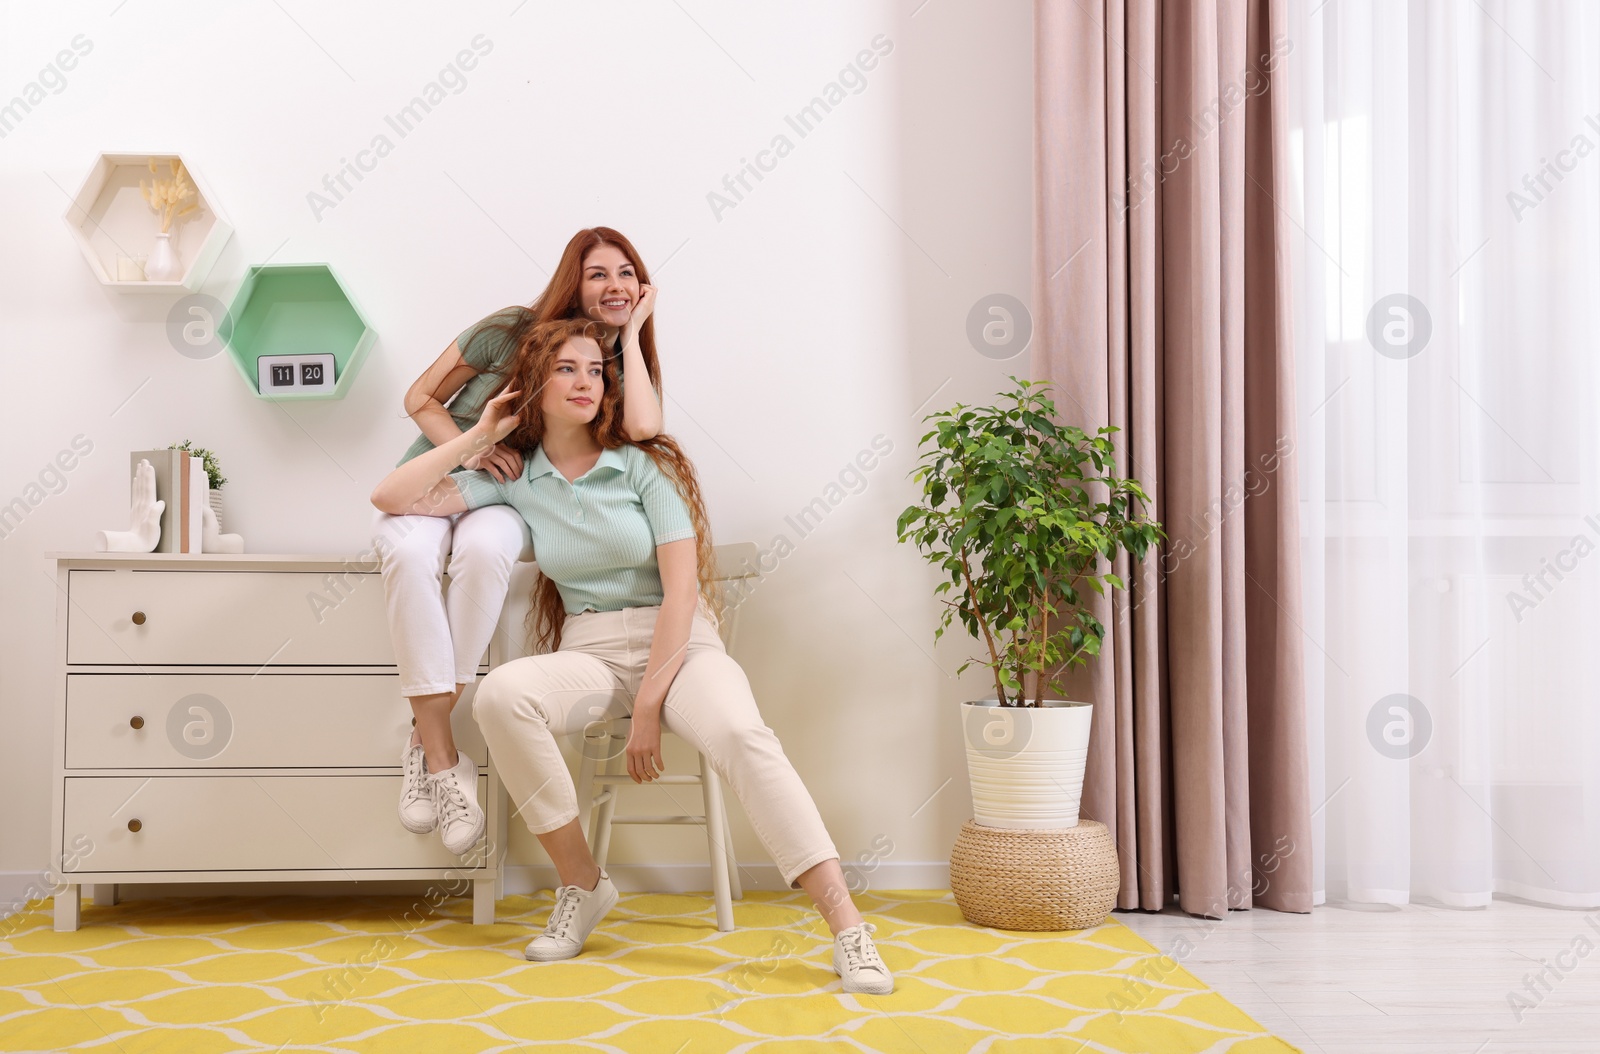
(560,297)
(529,374)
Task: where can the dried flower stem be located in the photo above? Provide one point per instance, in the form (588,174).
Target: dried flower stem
(166,195)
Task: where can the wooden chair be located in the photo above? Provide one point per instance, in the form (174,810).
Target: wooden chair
(603,770)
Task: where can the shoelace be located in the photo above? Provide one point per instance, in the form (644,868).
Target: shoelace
(452,803)
(859,951)
(563,914)
(416,777)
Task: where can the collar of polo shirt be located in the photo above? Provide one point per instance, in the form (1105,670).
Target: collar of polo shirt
(541,466)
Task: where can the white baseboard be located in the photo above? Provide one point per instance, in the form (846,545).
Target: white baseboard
(19,887)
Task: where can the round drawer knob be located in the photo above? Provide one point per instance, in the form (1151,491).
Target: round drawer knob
(138,618)
(134,826)
(136,721)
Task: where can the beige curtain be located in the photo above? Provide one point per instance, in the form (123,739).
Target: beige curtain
(1162,286)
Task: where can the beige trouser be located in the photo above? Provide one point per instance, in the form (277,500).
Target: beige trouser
(523,705)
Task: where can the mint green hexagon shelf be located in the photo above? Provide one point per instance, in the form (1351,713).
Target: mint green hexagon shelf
(297,309)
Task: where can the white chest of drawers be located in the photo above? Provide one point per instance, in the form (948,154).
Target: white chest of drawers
(238,718)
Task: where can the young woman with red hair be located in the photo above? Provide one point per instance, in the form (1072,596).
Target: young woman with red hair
(439,639)
(628,607)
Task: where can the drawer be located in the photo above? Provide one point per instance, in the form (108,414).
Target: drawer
(247,823)
(246,618)
(243,721)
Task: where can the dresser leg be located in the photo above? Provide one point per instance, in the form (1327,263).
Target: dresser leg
(67,904)
(482,901)
(104,894)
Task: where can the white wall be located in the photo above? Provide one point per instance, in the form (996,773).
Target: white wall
(819,312)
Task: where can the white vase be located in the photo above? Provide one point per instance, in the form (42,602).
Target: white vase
(214,497)
(163,265)
(1026,763)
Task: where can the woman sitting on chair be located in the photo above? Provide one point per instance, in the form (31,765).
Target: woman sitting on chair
(439,637)
(626,612)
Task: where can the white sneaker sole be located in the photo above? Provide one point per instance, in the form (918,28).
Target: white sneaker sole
(416,828)
(874,987)
(477,833)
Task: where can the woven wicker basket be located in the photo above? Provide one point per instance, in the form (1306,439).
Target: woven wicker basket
(1041,879)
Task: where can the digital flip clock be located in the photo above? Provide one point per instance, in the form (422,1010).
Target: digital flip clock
(294,374)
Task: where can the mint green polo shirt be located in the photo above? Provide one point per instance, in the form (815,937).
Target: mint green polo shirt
(595,537)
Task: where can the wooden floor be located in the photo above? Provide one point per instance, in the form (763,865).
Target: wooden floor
(1358,978)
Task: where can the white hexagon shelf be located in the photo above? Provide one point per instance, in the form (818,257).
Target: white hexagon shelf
(114,226)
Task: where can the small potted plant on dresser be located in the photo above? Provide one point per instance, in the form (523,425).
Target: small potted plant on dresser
(214,477)
(1024,515)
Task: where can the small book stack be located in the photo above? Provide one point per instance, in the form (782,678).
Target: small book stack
(181,482)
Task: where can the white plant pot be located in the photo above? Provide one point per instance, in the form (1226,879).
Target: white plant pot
(214,498)
(1026,763)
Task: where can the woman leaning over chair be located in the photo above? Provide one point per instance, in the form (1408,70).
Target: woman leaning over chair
(439,639)
(627,601)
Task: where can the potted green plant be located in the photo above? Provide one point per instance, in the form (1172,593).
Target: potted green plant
(214,477)
(1025,515)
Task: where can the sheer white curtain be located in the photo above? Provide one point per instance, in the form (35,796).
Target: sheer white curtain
(1447,324)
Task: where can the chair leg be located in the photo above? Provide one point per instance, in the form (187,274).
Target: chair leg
(502,810)
(600,843)
(734,885)
(717,840)
(590,744)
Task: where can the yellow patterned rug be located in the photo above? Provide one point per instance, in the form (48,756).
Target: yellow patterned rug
(395,974)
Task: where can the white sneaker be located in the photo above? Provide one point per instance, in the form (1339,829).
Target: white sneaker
(417,811)
(577,912)
(455,795)
(856,960)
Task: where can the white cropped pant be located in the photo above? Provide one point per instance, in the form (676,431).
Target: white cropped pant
(523,705)
(439,639)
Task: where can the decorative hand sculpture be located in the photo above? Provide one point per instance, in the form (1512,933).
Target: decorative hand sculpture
(144,515)
(212,540)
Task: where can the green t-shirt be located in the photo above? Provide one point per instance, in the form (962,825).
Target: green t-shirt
(488,350)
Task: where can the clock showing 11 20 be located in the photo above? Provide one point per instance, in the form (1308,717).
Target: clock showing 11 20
(299,374)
